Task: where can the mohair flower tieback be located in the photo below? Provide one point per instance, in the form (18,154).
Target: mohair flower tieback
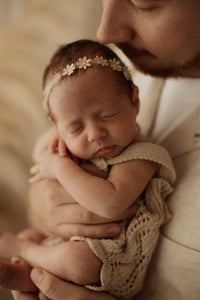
(83,63)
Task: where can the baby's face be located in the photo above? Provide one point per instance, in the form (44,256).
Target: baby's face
(95,115)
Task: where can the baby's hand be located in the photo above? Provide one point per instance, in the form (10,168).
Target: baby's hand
(45,168)
(43,142)
(57,145)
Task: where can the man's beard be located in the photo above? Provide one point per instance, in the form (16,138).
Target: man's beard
(188,69)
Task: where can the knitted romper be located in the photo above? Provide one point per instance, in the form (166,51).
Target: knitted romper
(125,259)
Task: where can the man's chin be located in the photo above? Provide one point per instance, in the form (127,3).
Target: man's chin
(190,69)
(160,72)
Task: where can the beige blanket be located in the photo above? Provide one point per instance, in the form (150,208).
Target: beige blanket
(38,28)
(30,31)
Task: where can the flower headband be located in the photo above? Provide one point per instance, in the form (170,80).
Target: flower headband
(83,63)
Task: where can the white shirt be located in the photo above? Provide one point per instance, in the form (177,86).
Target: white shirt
(175,105)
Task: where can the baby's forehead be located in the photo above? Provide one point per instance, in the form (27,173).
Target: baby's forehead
(76,66)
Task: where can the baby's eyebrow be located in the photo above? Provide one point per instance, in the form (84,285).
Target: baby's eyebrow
(74,122)
(149,1)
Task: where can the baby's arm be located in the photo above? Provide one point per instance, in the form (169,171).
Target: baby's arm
(105,197)
(112,196)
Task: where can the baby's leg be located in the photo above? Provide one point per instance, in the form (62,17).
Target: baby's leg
(10,245)
(71,260)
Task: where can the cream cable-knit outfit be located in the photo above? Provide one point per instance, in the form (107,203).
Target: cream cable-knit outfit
(125,259)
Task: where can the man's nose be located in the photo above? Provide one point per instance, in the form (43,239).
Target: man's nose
(115,26)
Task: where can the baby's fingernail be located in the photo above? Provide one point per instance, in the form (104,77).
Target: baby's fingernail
(36,275)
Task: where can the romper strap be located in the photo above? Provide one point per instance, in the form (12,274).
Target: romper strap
(151,152)
(145,151)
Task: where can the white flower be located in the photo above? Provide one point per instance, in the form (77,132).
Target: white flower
(83,63)
(115,64)
(126,73)
(69,70)
(99,60)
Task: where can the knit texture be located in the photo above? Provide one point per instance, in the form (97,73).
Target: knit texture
(125,259)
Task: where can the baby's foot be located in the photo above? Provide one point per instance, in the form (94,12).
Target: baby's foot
(10,244)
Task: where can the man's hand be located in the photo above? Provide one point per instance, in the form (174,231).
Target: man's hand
(16,276)
(57,289)
(45,168)
(53,211)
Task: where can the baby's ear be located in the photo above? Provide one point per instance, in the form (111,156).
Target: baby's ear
(135,98)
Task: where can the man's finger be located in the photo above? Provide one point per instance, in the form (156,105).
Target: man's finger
(24,296)
(57,289)
(32,235)
(93,231)
(16,276)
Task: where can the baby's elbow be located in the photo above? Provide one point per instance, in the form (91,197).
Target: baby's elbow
(112,213)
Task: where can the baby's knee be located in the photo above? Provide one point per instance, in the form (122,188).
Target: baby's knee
(83,264)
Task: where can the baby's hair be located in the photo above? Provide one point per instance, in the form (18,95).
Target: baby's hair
(69,53)
(76,57)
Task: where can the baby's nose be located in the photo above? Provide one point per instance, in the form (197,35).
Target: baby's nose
(96,133)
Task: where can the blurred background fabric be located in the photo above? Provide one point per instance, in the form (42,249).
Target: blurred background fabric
(30,31)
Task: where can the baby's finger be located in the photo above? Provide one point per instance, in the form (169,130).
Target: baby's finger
(35,178)
(62,149)
(53,146)
(35,169)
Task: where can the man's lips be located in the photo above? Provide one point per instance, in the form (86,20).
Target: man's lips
(134,53)
(106,151)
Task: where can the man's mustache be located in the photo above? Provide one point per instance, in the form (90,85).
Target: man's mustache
(132,52)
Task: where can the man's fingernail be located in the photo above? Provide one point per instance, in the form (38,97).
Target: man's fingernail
(36,275)
(16,260)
